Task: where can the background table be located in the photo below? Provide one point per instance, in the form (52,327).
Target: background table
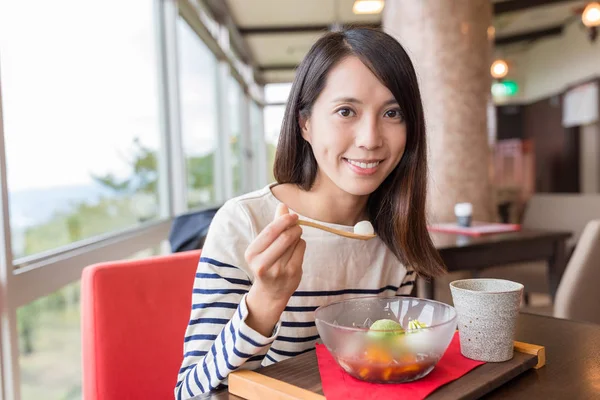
(472,253)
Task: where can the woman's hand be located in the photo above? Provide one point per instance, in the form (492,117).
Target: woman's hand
(275,258)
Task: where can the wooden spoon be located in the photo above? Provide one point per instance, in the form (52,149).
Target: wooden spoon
(339,232)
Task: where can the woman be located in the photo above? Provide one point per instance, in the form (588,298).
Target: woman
(352,148)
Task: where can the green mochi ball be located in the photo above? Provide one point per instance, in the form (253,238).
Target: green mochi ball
(384,328)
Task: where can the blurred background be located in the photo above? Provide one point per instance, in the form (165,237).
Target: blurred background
(118,116)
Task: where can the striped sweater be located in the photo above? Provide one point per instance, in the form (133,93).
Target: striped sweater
(218,341)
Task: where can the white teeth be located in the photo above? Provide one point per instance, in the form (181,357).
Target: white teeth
(364,165)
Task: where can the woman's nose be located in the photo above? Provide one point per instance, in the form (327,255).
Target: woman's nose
(368,135)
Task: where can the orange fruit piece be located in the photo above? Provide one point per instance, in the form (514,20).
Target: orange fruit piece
(387,373)
(378,355)
(364,372)
(411,368)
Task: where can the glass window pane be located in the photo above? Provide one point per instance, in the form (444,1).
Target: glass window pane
(235,120)
(198,102)
(81,118)
(50,346)
(277,92)
(258,141)
(273,120)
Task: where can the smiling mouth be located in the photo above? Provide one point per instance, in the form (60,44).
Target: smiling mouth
(364,164)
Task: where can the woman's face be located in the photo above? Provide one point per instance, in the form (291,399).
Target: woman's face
(356,130)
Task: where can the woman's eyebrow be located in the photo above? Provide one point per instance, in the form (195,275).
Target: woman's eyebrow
(347,100)
(357,101)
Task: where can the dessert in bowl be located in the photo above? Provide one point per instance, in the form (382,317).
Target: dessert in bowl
(387,339)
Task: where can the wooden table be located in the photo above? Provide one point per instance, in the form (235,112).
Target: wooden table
(461,252)
(572,368)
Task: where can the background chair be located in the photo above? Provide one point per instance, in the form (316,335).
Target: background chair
(134,315)
(560,212)
(578,296)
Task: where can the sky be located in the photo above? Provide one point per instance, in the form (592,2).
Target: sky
(197,92)
(77,91)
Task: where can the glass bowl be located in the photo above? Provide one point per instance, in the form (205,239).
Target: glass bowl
(389,353)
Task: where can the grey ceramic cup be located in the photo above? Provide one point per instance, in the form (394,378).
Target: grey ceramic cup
(487,317)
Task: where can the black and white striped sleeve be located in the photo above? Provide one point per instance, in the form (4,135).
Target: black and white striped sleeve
(217,340)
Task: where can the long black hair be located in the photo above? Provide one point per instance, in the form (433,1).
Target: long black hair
(397,208)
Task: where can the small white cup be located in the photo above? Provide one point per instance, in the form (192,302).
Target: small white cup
(463,212)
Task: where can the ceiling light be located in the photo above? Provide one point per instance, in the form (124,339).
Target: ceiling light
(499,69)
(367,6)
(591,15)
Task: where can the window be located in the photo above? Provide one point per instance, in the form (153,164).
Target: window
(50,346)
(276,95)
(235,136)
(277,92)
(258,144)
(80,119)
(273,120)
(198,104)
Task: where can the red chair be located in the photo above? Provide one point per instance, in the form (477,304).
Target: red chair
(134,315)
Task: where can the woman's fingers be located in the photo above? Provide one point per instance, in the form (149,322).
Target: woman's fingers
(270,234)
(282,209)
(280,251)
(297,257)
(287,255)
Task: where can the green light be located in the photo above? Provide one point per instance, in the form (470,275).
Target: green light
(505,88)
(511,87)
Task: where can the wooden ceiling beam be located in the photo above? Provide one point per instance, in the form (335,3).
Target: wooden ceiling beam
(530,36)
(277,67)
(519,5)
(278,30)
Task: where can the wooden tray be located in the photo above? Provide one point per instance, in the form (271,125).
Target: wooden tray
(298,378)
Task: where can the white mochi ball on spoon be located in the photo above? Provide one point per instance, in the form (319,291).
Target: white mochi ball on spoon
(364,228)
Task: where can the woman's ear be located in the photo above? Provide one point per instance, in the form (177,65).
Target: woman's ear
(304,122)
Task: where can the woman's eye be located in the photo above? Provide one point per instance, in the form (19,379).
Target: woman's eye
(345,112)
(393,114)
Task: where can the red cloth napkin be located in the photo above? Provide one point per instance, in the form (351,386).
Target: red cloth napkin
(337,384)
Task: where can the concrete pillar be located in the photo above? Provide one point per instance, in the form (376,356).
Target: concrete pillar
(448,43)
